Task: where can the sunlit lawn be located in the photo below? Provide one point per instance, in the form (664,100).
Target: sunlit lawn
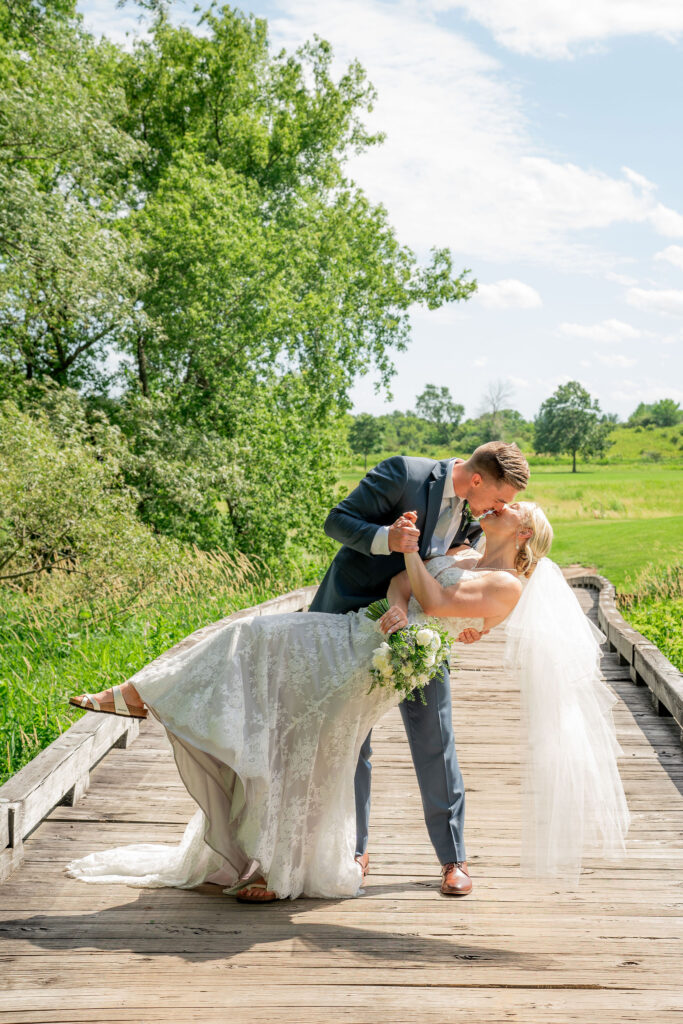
(616,518)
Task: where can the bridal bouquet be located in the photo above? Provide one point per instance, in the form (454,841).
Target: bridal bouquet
(409,657)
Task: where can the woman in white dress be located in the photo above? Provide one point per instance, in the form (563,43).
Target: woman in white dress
(266,718)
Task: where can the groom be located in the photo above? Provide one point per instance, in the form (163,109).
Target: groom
(366,524)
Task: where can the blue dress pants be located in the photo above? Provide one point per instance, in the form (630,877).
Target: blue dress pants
(429,728)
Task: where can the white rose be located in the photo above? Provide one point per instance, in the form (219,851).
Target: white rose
(387,670)
(381,658)
(424,637)
(430,661)
(436,642)
(378,662)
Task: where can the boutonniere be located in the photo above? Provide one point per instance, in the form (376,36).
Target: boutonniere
(467,514)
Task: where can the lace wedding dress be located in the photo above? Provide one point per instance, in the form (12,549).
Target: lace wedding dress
(266,718)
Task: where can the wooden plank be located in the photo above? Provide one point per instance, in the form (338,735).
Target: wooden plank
(517,949)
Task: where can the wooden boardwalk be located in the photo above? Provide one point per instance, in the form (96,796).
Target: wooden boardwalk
(513,950)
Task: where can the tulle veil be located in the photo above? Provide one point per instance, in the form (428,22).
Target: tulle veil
(573,800)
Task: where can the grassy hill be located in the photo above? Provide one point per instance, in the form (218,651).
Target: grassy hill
(646,444)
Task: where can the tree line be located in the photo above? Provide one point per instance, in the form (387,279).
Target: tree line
(569,422)
(190,283)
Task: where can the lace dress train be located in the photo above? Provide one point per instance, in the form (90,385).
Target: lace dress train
(266,718)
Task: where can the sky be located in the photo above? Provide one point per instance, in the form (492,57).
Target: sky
(540,141)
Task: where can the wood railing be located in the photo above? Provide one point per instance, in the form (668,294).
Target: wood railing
(60,774)
(647,665)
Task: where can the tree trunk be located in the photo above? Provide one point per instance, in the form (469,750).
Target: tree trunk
(142,367)
(574,461)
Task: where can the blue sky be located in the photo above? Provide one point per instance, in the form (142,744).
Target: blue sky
(540,140)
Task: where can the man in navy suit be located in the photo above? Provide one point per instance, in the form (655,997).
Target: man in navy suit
(366,523)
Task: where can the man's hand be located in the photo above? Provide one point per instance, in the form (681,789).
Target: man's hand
(403,536)
(471,636)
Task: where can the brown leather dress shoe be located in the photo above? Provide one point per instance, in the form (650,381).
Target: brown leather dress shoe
(456,880)
(364,860)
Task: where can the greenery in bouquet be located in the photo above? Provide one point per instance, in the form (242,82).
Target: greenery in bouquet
(408,658)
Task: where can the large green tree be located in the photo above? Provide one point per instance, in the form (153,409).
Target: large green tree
(570,422)
(365,435)
(436,405)
(177,221)
(68,278)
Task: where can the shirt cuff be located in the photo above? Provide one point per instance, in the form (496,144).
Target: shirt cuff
(380,542)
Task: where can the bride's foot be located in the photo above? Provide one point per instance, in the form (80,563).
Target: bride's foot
(256,892)
(119,700)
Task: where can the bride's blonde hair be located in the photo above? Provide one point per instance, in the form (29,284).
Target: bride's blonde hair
(538,545)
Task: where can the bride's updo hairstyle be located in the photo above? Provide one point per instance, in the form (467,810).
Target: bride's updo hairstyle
(537,546)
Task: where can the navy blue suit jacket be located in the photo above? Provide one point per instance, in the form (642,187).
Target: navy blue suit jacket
(399,484)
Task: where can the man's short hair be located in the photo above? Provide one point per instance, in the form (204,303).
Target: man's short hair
(499,460)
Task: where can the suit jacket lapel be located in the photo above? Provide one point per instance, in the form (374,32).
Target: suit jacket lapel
(435,486)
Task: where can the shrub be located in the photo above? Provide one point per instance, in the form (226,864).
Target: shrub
(68,524)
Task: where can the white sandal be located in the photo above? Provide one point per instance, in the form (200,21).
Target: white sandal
(120,706)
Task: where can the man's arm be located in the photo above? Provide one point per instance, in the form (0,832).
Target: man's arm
(355,520)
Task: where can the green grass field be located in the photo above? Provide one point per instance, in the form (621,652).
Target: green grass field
(618,518)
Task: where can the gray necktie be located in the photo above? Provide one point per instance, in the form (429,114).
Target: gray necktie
(445,520)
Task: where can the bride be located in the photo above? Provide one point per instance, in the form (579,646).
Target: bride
(266,718)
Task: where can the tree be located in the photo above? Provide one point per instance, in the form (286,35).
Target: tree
(68,280)
(666,413)
(492,407)
(438,408)
(570,421)
(365,436)
(180,212)
(65,508)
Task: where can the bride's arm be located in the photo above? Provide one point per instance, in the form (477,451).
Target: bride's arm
(398,596)
(491,596)
(399,591)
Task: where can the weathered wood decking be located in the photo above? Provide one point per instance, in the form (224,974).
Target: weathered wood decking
(513,950)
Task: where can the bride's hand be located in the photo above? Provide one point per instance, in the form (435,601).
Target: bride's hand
(393,620)
(403,534)
(471,636)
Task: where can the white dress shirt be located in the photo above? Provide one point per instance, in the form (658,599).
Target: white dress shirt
(439,545)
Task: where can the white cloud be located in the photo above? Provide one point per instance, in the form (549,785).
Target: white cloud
(623,279)
(519,382)
(608,332)
(614,359)
(672,254)
(672,339)
(480,362)
(509,294)
(555,28)
(465,173)
(665,221)
(638,179)
(102,17)
(647,390)
(662,300)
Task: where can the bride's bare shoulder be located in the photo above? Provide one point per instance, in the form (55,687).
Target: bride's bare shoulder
(504,585)
(465,557)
